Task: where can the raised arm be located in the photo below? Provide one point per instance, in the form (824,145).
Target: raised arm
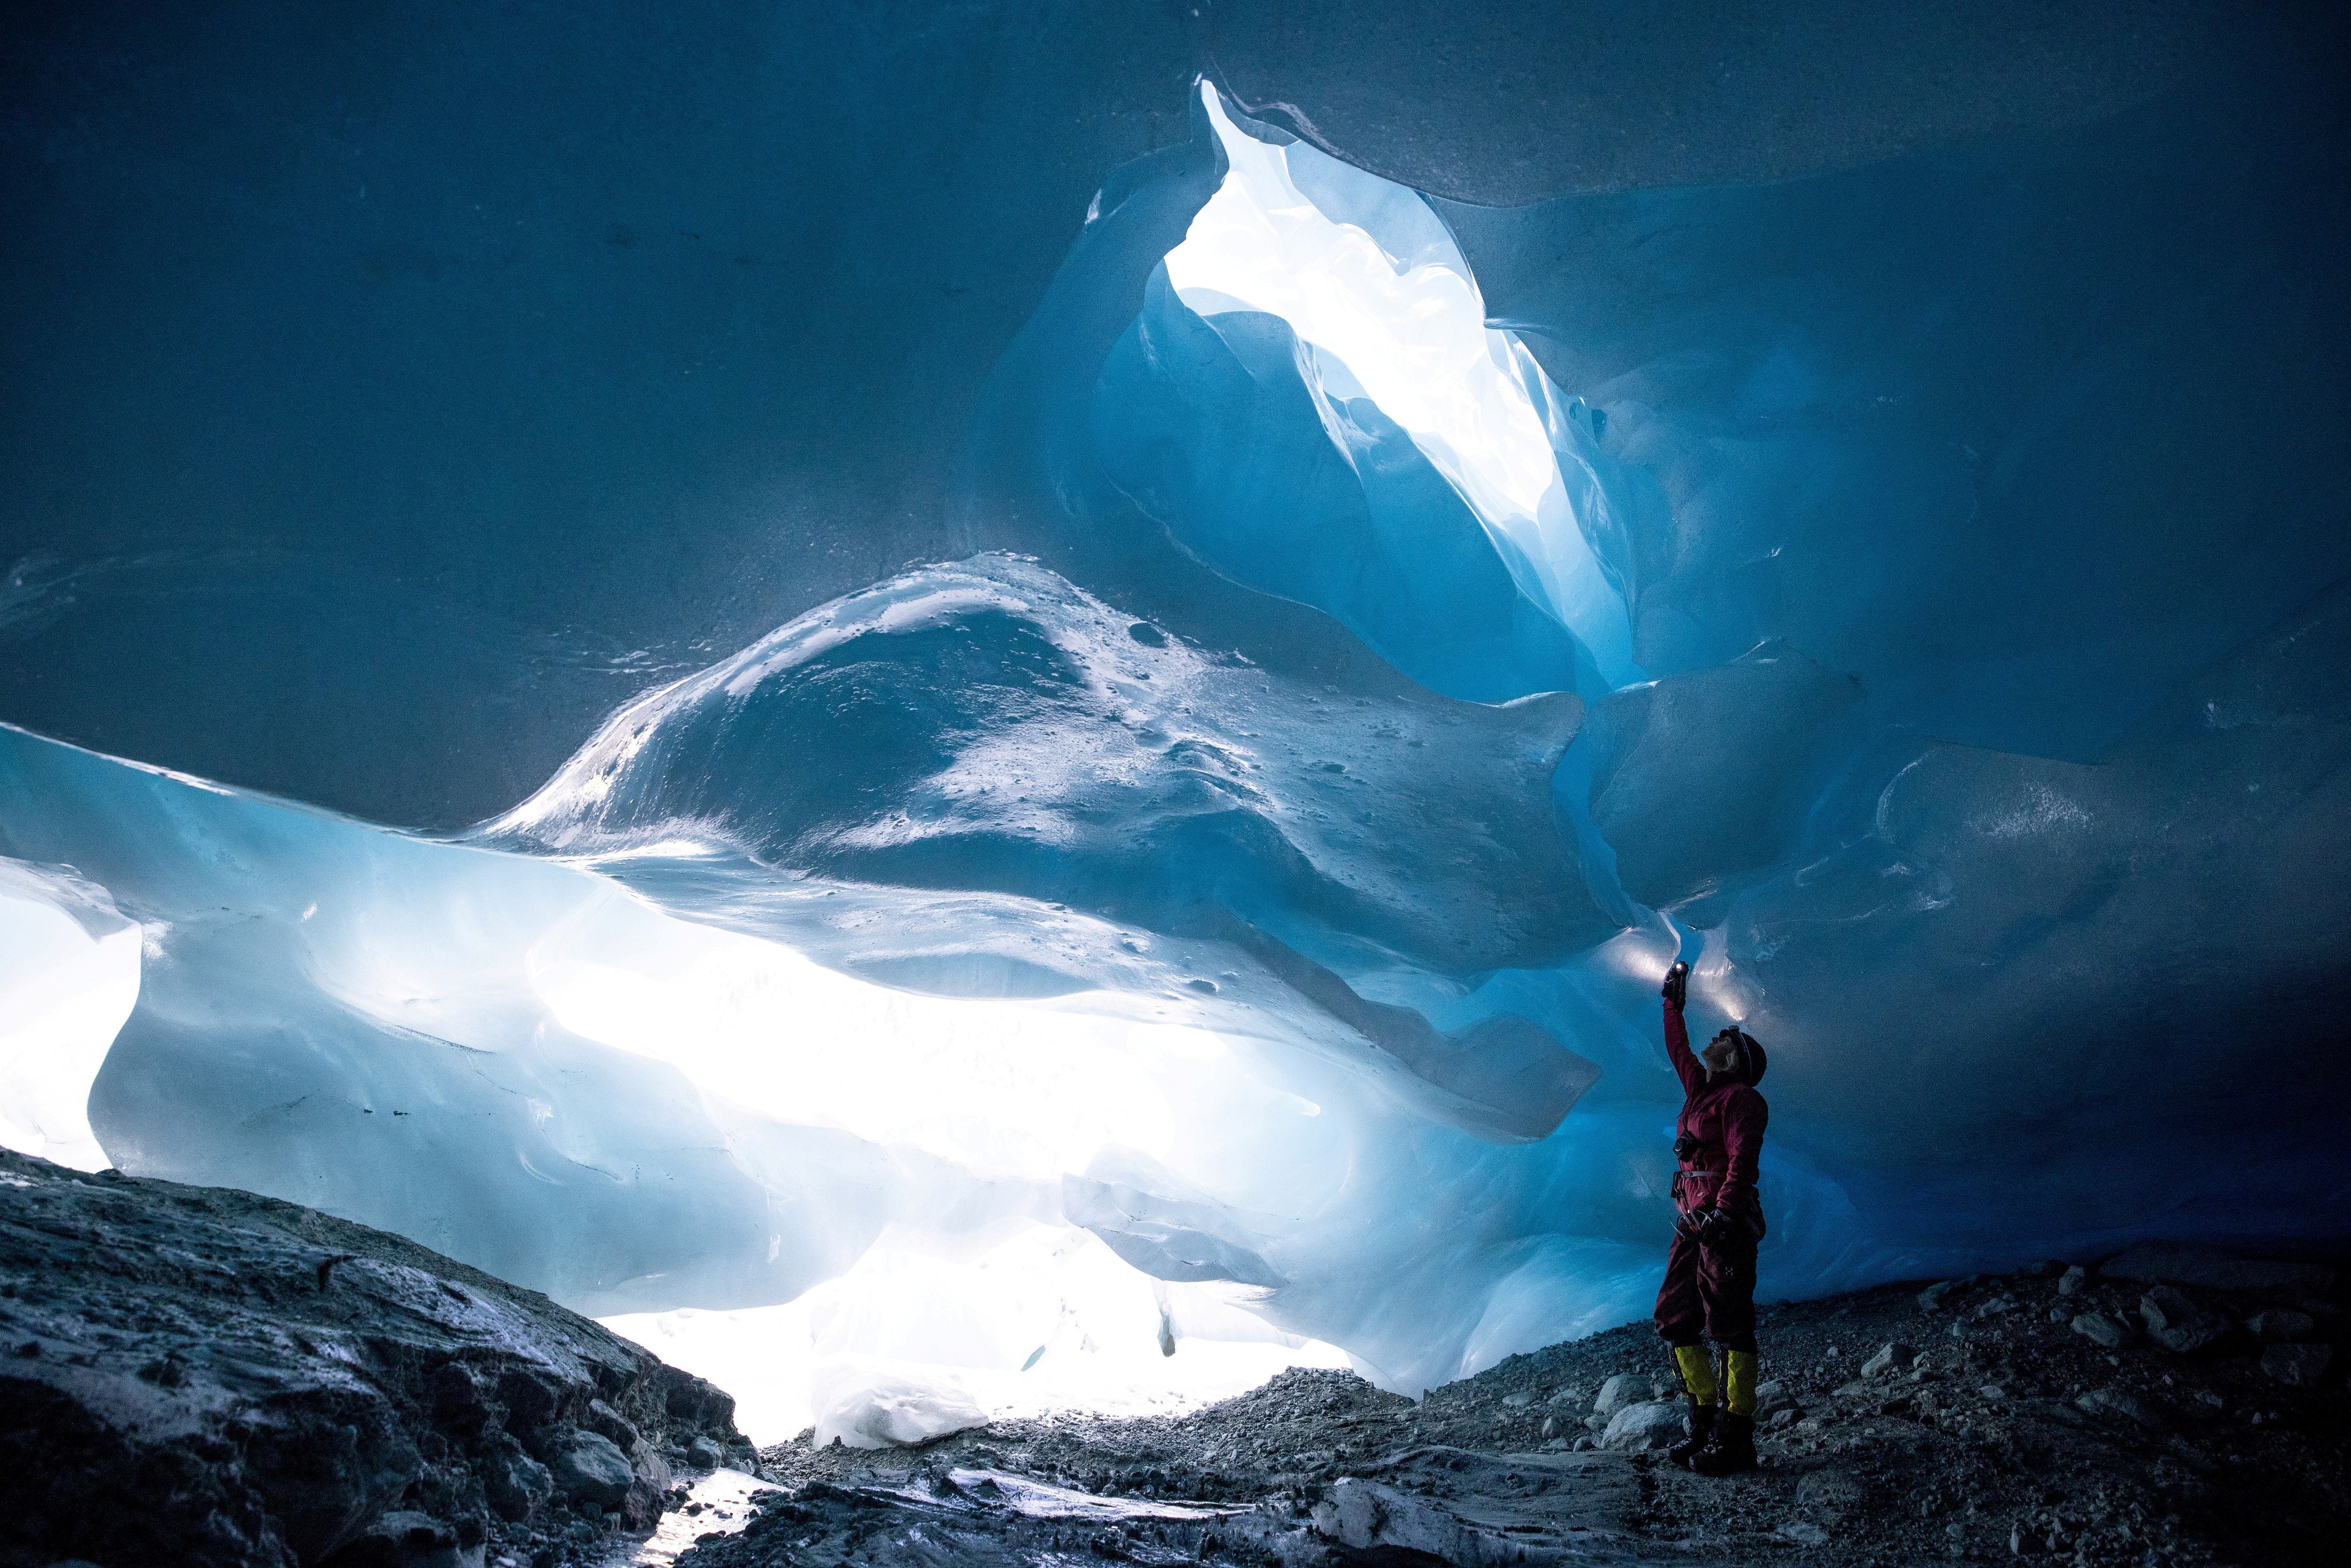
(1691,1070)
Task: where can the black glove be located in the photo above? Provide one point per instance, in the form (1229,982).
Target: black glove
(1676,985)
(1716,1228)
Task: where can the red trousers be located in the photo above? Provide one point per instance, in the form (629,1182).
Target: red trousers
(1708,1288)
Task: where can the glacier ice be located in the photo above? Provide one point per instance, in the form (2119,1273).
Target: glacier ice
(1772,722)
(68,977)
(520,1062)
(865,1410)
(1041,1318)
(1109,808)
(1385,311)
(1234,927)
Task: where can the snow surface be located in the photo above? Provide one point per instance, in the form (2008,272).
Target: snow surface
(1236,931)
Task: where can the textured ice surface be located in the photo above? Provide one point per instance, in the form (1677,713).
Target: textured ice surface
(867,1410)
(1102,806)
(1245,919)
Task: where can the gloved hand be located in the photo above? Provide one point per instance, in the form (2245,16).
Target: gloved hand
(1716,1227)
(1676,985)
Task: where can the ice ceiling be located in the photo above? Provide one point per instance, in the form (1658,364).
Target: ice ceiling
(1214,921)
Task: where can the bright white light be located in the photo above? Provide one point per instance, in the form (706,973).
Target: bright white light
(1046,1320)
(1404,325)
(1020,1312)
(64,996)
(1004,1088)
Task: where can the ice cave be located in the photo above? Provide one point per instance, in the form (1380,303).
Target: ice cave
(972,715)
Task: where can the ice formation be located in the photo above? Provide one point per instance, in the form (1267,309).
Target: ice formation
(69,972)
(1214,919)
(1390,334)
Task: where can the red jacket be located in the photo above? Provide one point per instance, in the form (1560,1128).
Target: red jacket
(1727,1119)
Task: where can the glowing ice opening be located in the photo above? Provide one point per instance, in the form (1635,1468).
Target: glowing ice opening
(1382,296)
(1047,1319)
(1017,1311)
(65,993)
(1010,1089)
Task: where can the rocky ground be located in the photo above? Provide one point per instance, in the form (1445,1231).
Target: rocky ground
(2173,1407)
(200,1376)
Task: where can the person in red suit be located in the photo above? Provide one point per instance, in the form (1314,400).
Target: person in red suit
(1709,1285)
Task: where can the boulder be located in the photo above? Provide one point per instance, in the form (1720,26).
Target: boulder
(2281,1325)
(314,1379)
(406,1538)
(1618,1392)
(2175,1263)
(530,1399)
(2074,1280)
(1931,1297)
(454,1398)
(1381,1520)
(2100,1329)
(1659,1424)
(1771,1399)
(516,1485)
(2176,1323)
(587,1469)
(1892,1356)
(2119,1404)
(611,1424)
(2298,1365)
(648,1485)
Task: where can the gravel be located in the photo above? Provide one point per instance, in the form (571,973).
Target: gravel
(2014,1436)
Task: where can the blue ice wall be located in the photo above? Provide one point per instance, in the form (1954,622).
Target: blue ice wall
(2019,434)
(1212,426)
(1927,541)
(491,363)
(1977,513)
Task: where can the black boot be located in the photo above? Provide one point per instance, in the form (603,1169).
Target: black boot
(1701,1431)
(1733,1449)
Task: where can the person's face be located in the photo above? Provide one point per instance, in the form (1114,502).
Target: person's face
(1721,1053)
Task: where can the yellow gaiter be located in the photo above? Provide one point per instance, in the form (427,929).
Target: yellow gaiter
(1698,1374)
(1738,1380)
